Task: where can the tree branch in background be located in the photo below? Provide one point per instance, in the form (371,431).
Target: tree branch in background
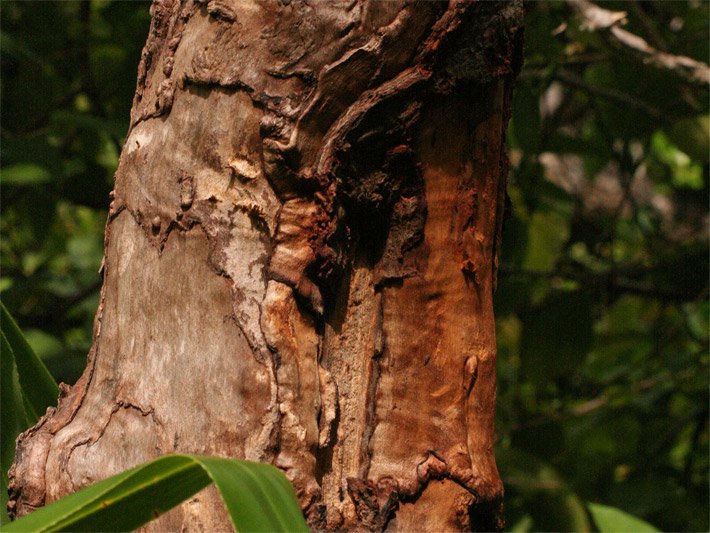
(596,18)
(603,400)
(649,28)
(613,95)
(613,282)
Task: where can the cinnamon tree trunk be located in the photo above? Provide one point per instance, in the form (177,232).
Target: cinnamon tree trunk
(299,263)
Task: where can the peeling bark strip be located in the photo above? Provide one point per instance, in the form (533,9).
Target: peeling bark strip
(299,265)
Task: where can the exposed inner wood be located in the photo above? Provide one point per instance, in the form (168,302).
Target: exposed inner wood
(299,264)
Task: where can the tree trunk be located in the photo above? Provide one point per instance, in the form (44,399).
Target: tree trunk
(299,263)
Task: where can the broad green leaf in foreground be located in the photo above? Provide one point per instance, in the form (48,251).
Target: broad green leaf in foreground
(13,419)
(613,520)
(26,390)
(257,496)
(36,383)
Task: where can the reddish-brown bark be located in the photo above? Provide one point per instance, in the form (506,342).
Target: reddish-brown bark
(300,260)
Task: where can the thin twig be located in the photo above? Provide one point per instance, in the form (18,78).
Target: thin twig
(613,95)
(653,34)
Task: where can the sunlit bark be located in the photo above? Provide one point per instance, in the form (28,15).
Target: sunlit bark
(299,264)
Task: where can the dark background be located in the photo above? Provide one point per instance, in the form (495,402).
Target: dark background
(602,305)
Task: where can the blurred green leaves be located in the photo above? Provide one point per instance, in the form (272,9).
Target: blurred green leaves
(557,507)
(556,335)
(602,303)
(24,174)
(67,82)
(684,171)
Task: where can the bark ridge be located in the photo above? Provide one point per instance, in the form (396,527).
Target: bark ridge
(299,262)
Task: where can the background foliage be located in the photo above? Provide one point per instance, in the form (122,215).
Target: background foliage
(602,304)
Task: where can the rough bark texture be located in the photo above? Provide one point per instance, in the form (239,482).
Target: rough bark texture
(300,260)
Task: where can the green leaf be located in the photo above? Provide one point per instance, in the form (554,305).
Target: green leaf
(257,496)
(685,172)
(613,520)
(26,390)
(24,174)
(43,344)
(36,383)
(557,507)
(692,136)
(547,233)
(13,418)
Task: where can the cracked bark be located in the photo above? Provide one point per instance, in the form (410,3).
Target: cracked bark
(299,263)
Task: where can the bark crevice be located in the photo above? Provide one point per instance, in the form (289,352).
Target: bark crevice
(303,239)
